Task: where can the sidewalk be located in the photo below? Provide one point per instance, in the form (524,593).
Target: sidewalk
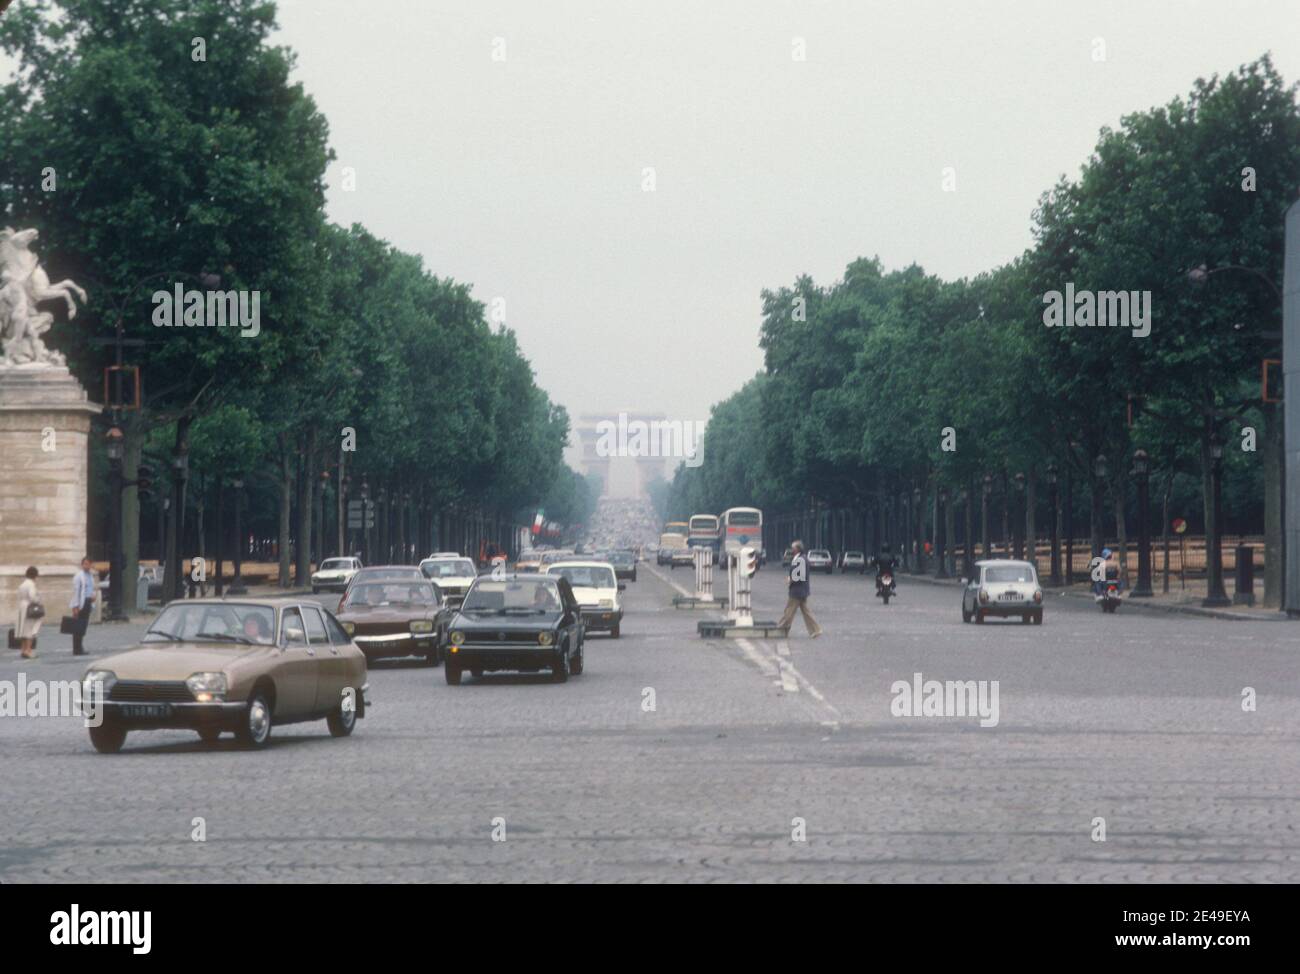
(1186,601)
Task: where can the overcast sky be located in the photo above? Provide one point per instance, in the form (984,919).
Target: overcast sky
(524,177)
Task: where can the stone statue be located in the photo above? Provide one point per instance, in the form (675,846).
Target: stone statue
(23,285)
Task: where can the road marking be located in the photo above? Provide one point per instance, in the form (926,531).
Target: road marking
(668,581)
(763,663)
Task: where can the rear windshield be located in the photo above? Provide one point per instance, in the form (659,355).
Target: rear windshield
(583,576)
(1009,573)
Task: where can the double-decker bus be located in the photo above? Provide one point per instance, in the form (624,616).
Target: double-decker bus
(703,532)
(739,527)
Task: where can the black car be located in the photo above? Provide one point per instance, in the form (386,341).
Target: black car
(624,563)
(517,622)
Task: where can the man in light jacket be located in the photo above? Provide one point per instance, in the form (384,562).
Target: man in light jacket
(83,600)
(800,590)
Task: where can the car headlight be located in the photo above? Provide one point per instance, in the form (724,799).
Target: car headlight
(545,638)
(90,683)
(349,627)
(607,603)
(984,595)
(457,638)
(1038,595)
(421,625)
(209,684)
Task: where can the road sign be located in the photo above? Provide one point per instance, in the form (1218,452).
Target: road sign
(361,514)
(1180,525)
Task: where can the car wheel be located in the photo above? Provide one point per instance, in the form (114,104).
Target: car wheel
(315,590)
(209,735)
(256,728)
(452,672)
(343,720)
(476,672)
(108,737)
(1038,618)
(965,616)
(615,631)
(560,671)
(579,661)
(979,617)
(885,597)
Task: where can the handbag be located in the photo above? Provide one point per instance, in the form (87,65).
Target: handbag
(36,611)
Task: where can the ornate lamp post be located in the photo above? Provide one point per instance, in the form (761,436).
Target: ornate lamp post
(365,518)
(1214,591)
(115,583)
(941,533)
(1052,477)
(1142,473)
(1101,470)
(968,547)
(237,581)
(173,583)
(984,513)
(918,510)
(1018,529)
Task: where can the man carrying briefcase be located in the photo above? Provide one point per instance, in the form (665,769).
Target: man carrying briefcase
(83,600)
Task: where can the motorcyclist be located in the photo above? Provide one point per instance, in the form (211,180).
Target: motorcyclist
(1102,569)
(884,562)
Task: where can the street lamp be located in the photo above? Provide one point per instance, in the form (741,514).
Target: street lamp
(1052,478)
(173,586)
(1142,473)
(115,452)
(236,586)
(918,510)
(365,518)
(1101,470)
(968,546)
(1019,529)
(941,533)
(984,512)
(1215,595)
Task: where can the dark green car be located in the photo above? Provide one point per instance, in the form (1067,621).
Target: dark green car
(518,622)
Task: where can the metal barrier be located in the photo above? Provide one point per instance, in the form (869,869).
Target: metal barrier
(704,573)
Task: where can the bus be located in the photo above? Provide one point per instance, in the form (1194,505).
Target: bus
(703,532)
(739,527)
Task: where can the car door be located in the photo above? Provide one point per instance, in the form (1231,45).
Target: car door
(331,668)
(297,675)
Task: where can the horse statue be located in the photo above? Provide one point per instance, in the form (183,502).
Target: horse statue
(23,285)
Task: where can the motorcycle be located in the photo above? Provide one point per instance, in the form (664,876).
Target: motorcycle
(1109,598)
(885,586)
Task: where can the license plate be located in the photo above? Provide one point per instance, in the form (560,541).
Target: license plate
(1010,597)
(154,710)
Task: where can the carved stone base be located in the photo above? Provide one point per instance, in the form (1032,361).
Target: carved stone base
(44,458)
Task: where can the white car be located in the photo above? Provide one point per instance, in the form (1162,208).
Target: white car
(1002,587)
(596,588)
(453,576)
(444,554)
(334,574)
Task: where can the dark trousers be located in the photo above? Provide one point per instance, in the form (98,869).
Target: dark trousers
(83,620)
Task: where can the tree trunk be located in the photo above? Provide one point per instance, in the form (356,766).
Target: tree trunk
(1273,543)
(302,550)
(286,504)
(132,449)
(1031,525)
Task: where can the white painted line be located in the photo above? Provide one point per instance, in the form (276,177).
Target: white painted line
(763,663)
(668,581)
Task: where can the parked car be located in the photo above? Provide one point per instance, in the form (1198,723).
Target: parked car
(1002,587)
(520,622)
(596,587)
(217,665)
(396,618)
(853,561)
(453,576)
(334,574)
(819,560)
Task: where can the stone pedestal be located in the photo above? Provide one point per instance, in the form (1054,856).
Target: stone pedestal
(44,433)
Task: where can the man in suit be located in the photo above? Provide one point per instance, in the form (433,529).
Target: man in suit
(83,600)
(800,590)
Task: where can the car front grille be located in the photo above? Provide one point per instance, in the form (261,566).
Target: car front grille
(381,628)
(167,690)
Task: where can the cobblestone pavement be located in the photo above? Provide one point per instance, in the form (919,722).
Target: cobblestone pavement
(1135,718)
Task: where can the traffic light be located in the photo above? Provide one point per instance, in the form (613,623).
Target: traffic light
(748,559)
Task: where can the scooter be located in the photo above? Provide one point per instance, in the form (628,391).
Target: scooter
(885,585)
(1109,598)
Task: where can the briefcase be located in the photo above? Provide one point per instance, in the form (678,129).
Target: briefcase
(70,626)
(13,641)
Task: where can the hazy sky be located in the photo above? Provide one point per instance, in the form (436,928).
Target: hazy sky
(524,177)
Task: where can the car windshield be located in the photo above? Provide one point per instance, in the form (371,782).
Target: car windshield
(853,554)
(232,622)
(388,574)
(819,553)
(1009,573)
(540,594)
(448,568)
(586,576)
(620,558)
(391,593)
(335,564)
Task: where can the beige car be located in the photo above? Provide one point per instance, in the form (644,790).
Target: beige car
(238,665)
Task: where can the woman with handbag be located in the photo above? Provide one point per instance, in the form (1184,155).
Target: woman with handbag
(30,613)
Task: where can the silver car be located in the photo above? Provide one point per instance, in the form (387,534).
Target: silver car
(1002,587)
